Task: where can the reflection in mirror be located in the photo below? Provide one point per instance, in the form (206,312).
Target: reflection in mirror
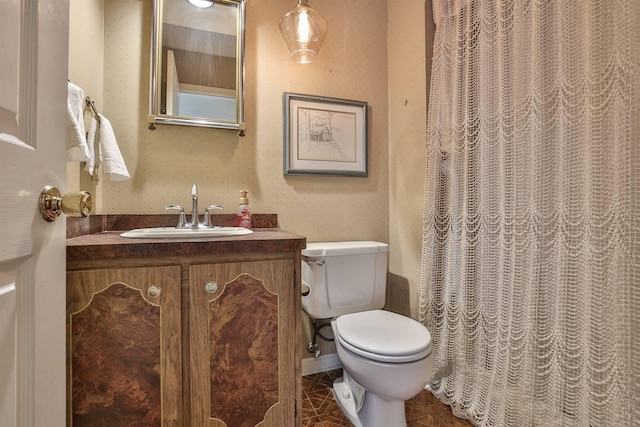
(197,64)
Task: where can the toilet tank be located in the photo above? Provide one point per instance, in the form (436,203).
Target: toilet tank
(344,277)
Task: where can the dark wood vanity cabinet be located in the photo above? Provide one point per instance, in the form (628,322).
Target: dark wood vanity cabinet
(242,347)
(205,338)
(124,347)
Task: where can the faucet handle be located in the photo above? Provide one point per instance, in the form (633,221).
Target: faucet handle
(182,221)
(207,216)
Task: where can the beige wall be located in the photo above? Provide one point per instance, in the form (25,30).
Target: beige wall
(410,40)
(86,69)
(165,162)
(373,52)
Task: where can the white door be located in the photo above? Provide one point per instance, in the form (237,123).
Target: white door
(33,82)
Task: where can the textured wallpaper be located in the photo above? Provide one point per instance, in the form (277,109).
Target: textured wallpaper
(165,162)
(411,31)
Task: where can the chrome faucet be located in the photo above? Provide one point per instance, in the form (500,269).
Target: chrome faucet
(182,220)
(194,205)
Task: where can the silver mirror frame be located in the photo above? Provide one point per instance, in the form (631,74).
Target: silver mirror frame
(155,72)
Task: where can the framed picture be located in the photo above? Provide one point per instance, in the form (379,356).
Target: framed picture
(326,136)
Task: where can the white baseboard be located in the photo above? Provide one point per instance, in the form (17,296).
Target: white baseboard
(326,362)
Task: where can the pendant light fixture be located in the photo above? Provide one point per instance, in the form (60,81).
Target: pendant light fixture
(303,30)
(201,3)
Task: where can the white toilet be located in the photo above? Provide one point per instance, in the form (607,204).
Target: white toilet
(386,357)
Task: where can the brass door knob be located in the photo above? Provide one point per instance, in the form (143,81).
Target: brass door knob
(52,203)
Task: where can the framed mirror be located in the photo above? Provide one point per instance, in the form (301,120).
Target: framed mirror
(197,64)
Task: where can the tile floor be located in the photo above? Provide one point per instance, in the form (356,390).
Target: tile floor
(319,409)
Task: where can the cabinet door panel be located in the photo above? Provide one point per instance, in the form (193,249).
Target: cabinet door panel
(124,355)
(242,344)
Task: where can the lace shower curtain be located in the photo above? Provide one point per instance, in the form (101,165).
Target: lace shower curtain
(530,272)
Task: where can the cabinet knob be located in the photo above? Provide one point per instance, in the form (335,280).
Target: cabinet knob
(211,287)
(154,291)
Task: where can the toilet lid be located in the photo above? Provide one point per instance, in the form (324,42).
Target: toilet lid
(384,336)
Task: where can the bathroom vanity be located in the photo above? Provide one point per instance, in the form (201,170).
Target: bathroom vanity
(184,332)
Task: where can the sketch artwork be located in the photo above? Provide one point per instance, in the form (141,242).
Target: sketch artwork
(326,135)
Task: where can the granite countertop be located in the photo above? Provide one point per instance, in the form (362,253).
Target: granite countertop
(107,244)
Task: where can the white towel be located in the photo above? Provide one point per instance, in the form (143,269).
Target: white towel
(77,148)
(109,152)
(92,140)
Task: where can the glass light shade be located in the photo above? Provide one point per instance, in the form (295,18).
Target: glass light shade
(201,3)
(303,30)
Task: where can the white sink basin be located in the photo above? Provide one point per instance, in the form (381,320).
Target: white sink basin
(182,233)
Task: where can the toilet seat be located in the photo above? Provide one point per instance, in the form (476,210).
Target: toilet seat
(383,336)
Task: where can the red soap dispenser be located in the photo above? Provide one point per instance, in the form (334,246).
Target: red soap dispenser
(243,219)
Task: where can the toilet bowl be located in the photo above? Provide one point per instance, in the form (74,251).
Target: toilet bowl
(381,370)
(386,357)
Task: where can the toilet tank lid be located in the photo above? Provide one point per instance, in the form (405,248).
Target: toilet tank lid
(344,248)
